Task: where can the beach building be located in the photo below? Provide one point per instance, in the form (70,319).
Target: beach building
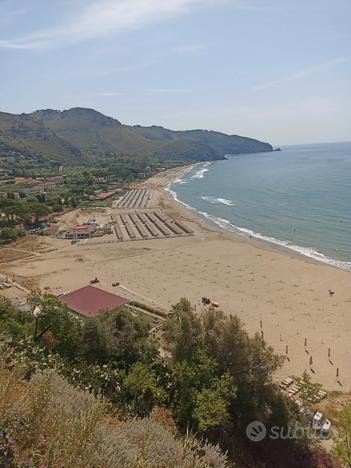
(89,301)
(81,232)
(51,230)
(101,196)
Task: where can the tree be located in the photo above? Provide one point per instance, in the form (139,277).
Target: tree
(7,206)
(189,378)
(13,321)
(247,360)
(38,211)
(183,330)
(142,390)
(342,450)
(21,210)
(41,197)
(50,315)
(127,339)
(213,404)
(93,347)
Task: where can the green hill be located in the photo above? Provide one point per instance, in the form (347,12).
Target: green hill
(81,133)
(219,142)
(29,136)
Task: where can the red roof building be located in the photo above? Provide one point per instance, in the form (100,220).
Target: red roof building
(103,195)
(51,230)
(89,301)
(81,232)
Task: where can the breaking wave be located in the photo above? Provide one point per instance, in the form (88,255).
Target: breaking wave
(215,201)
(174,195)
(306,251)
(200,174)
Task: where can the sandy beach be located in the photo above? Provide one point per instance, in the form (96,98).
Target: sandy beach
(249,278)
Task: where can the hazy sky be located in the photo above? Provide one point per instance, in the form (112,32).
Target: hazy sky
(277,70)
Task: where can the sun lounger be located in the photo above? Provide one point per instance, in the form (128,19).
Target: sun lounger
(293,390)
(286,383)
(321,394)
(318,397)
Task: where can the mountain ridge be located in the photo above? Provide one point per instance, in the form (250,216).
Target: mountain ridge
(69,135)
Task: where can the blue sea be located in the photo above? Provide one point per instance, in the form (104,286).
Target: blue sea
(299,198)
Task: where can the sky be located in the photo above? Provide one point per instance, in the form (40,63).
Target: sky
(276,70)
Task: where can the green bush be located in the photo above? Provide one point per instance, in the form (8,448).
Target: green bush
(8,234)
(57,208)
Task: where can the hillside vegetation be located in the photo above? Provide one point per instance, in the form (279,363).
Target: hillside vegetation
(27,135)
(80,133)
(47,422)
(89,390)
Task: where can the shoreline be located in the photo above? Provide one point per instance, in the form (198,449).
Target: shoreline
(244,233)
(235,233)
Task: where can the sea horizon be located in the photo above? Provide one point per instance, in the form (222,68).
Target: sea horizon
(296,199)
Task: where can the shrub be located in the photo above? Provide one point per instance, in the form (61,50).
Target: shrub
(47,422)
(8,234)
(57,208)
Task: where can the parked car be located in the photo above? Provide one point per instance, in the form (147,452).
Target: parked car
(321,423)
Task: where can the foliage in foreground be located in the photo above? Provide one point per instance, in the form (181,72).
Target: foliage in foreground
(216,381)
(342,449)
(222,370)
(222,381)
(47,422)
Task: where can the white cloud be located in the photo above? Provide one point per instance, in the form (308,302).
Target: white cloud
(14,45)
(302,73)
(102,17)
